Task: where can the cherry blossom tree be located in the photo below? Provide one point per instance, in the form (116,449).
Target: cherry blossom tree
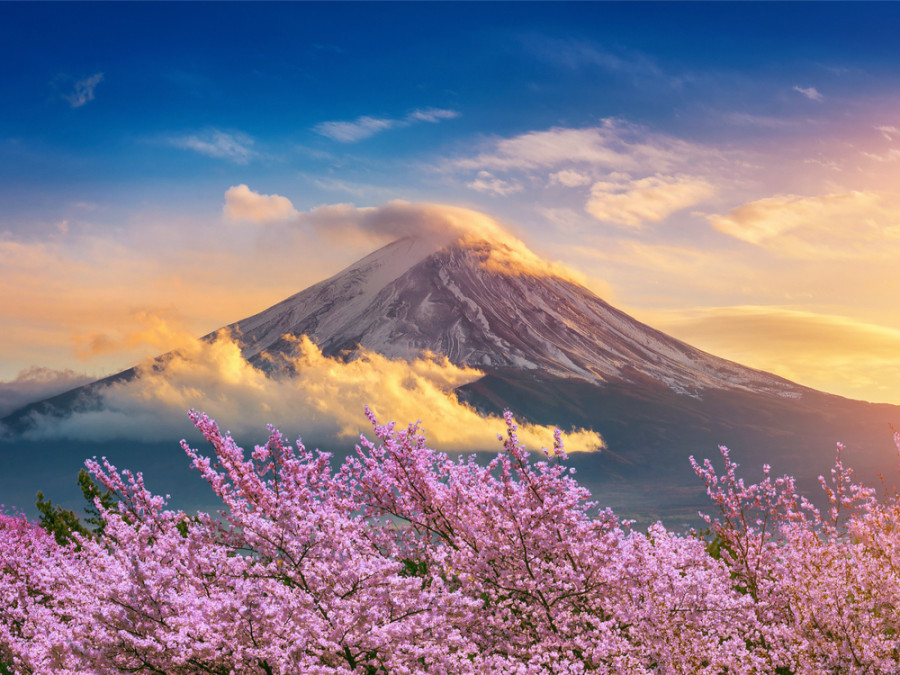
(406,560)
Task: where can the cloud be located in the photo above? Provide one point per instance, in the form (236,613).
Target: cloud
(486,182)
(431,115)
(84,90)
(398,219)
(438,225)
(624,201)
(809,92)
(37,383)
(319,396)
(573,54)
(888,131)
(243,204)
(659,282)
(892,155)
(89,293)
(649,175)
(365,127)
(569,178)
(219,144)
(825,351)
(156,329)
(857,224)
(615,145)
(351,132)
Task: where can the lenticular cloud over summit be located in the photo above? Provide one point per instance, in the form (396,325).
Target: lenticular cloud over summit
(435,225)
(395,220)
(439,224)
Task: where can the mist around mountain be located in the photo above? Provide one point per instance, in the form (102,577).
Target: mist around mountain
(450,324)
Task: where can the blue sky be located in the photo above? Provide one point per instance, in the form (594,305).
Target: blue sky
(267,74)
(724,171)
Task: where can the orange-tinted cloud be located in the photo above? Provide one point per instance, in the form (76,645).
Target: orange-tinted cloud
(438,223)
(161,332)
(832,353)
(243,204)
(826,323)
(629,202)
(318,396)
(856,224)
(89,295)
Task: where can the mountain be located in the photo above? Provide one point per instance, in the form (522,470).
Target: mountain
(461,301)
(555,353)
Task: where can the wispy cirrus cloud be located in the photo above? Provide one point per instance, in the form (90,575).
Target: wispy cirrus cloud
(486,182)
(614,145)
(574,54)
(357,130)
(854,224)
(365,126)
(630,202)
(892,155)
(811,93)
(233,146)
(888,131)
(83,91)
(361,190)
(431,115)
(744,119)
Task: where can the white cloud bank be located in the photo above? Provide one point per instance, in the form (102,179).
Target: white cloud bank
(35,384)
(441,225)
(318,396)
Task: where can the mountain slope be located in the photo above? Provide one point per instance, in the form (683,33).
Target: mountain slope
(459,302)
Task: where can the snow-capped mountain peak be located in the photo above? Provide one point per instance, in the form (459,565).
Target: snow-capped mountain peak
(489,304)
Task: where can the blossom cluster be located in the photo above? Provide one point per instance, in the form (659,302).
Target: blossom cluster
(405,560)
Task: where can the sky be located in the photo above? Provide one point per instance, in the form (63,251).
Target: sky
(725,172)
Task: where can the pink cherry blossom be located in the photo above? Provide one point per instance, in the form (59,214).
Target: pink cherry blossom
(405,560)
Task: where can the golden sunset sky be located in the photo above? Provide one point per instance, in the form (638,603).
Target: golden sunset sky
(727,173)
